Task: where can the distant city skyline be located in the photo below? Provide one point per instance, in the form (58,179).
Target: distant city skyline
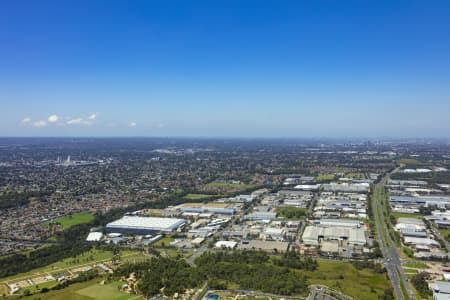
(225,69)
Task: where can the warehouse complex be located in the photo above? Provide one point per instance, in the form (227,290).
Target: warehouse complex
(218,208)
(144,225)
(314,235)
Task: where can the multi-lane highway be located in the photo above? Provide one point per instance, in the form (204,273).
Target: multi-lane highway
(391,257)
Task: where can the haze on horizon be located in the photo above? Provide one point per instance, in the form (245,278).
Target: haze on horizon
(225,68)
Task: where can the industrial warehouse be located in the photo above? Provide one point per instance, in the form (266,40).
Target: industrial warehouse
(218,208)
(313,235)
(144,225)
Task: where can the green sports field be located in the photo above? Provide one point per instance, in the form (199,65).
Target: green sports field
(75,219)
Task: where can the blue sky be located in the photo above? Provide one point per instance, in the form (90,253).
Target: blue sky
(225,68)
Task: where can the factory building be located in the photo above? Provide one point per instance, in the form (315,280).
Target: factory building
(441,290)
(260,215)
(338,223)
(314,235)
(216,208)
(276,234)
(411,227)
(347,187)
(144,225)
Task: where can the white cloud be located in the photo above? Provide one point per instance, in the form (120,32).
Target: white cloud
(26,120)
(79,121)
(40,124)
(75,121)
(133,124)
(53,119)
(93,116)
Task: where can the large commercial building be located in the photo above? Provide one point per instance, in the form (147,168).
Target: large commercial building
(338,223)
(219,208)
(144,225)
(268,246)
(259,216)
(363,187)
(441,290)
(314,235)
(440,201)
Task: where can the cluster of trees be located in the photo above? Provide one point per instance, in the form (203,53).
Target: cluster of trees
(420,283)
(368,264)
(292,212)
(241,257)
(250,270)
(163,275)
(267,278)
(431,177)
(292,259)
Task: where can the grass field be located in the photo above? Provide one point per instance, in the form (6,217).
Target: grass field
(90,290)
(104,292)
(198,196)
(409,161)
(445,233)
(410,271)
(406,215)
(343,276)
(38,287)
(75,219)
(325,177)
(3,289)
(415,265)
(355,175)
(225,185)
(164,242)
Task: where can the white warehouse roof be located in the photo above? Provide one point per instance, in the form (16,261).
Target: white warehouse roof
(94,236)
(147,223)
(225,244)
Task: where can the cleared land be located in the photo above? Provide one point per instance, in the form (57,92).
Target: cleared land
(343,276)
(198,196)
